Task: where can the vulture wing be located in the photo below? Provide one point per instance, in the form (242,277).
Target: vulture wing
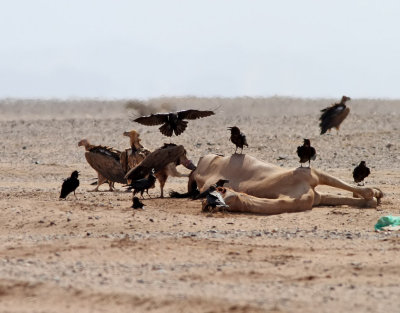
(106,165)
(153,119)
(158,159)
(193,114)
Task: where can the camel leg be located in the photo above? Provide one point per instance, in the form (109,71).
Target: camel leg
(332,200)
(365,192)
(241,202)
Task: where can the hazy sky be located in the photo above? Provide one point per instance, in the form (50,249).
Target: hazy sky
(150,48)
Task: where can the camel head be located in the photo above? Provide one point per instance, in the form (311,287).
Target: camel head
(134,138)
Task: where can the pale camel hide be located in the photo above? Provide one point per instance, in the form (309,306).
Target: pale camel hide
(259,187)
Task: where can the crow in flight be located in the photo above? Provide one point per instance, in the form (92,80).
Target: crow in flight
(173,122)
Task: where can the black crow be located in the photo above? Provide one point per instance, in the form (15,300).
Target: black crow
(69,185)
(136,204)
(306,152)
(360,172)
(144,184)
(173,122)
(238,138)
(214,200)
(334,115)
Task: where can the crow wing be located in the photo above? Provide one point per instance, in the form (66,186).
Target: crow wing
(193,114)
(153,119)
(107,165)
(141,184)
(158,159)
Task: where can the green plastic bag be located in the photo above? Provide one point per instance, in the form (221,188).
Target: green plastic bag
(387,221)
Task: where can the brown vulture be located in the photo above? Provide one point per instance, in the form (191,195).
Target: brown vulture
(164,161)
(106,162)
(334,115)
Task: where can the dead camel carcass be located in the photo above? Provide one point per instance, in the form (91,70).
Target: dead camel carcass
(259,187)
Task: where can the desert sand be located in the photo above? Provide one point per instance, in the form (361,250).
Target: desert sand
(93,253)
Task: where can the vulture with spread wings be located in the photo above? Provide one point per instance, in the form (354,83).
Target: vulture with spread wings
(159,159)
(334,115)
(173,122)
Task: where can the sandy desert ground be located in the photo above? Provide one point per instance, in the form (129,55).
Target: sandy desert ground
(95,254)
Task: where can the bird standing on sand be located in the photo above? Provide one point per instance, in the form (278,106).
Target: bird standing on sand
(306,153)
(334,115)
(238,138)
(69,185)
(360,172)
(144,184)
(214,200)
(173,122)
(136,203)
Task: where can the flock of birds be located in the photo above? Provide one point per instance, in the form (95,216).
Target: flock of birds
(175,123)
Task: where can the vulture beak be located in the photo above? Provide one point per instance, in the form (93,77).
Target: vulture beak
(189,165)
(126,134)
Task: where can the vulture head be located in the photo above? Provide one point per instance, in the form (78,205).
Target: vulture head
(84,142)
(134,138)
